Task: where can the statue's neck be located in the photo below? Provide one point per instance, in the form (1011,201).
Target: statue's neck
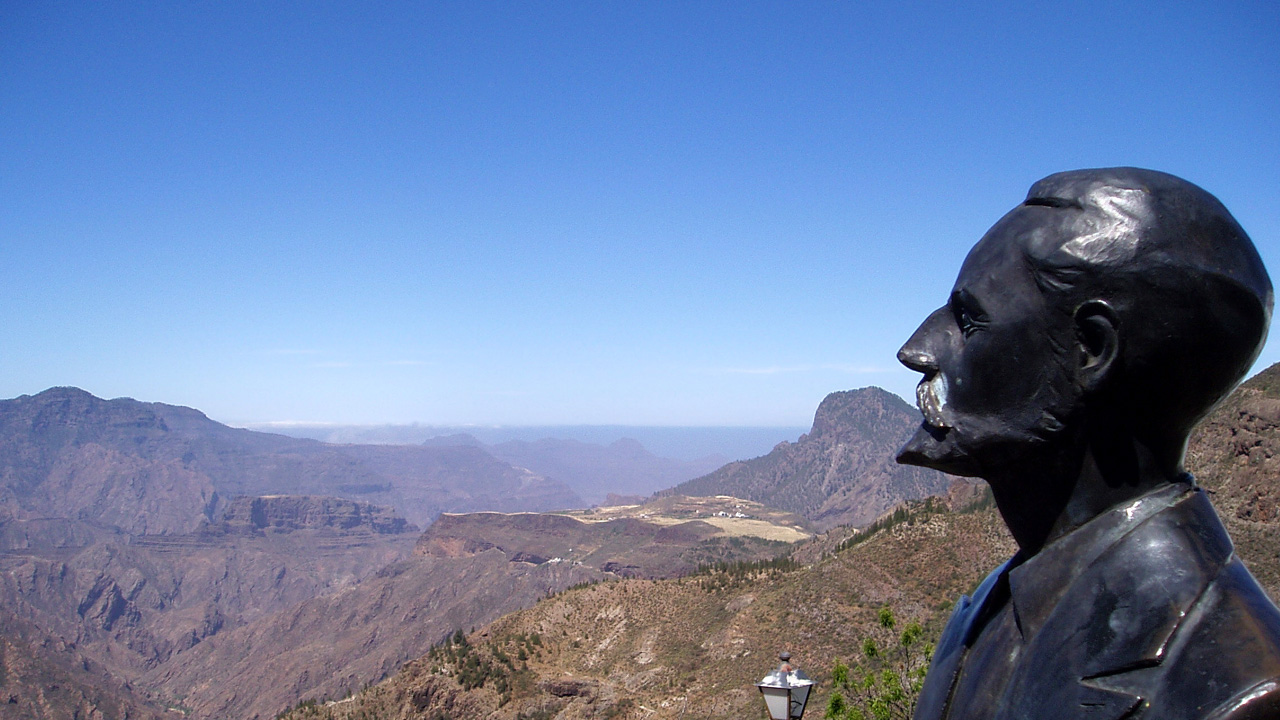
(1044,504)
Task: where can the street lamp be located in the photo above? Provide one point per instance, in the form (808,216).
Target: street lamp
(785,690)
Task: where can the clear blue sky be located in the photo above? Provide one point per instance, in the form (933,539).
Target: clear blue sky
(552,212)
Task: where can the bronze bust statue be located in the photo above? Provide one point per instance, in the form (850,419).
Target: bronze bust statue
(1087,333)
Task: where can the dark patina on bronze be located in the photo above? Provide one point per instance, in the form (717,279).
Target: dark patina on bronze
(1087,333)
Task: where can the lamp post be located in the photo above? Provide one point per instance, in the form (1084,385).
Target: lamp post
(785,690)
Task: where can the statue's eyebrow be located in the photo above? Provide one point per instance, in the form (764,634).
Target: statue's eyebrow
(964,300)
(1053,202)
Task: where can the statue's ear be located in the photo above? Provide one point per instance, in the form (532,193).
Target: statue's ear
(1098,343)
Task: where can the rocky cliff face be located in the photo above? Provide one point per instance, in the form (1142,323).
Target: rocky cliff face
(841,472)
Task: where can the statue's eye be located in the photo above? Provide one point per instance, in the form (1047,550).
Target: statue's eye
(969,316)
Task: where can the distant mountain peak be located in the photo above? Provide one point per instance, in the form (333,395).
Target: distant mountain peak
(627,443)
(454,440)
(64,391)
(842,471)
(856,410)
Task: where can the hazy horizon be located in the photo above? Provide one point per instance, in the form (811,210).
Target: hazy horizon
(685,443)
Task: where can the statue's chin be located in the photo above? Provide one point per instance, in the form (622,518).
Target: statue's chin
(935,447)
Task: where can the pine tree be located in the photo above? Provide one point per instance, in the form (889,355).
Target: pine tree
(886,681)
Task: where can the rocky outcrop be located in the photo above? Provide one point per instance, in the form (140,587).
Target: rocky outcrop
(286,513)
(842,472)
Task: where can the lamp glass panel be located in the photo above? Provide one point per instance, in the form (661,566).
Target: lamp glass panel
(799,697)
(778,701)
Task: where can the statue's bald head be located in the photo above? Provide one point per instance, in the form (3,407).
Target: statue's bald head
(1191,295)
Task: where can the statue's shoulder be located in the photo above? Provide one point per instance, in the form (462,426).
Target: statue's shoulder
(1224,662)
(1222,659)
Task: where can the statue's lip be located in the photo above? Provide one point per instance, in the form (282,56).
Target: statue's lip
(935,431)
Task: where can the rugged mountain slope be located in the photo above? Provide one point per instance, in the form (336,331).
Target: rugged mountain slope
(693,647)
(334,643)
(40,679)
(1235,455)
(466,571)
(841,472)
(150,468)
(122,533)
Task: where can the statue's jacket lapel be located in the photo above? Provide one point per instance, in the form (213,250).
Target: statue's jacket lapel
(962,627)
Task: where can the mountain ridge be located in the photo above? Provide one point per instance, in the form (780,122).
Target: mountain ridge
(154,468)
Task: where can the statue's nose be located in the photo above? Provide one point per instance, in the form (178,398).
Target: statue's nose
(918,360)
(918,353)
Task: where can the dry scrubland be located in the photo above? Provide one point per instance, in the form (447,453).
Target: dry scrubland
(689,647)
